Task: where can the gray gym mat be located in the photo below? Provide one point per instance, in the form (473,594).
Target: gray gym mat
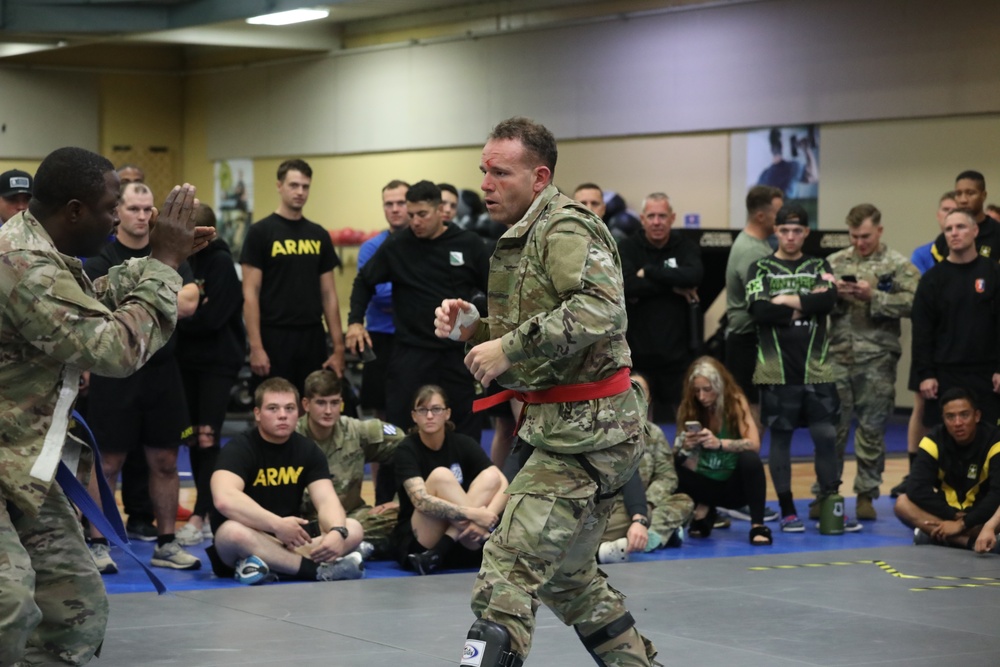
(698,612)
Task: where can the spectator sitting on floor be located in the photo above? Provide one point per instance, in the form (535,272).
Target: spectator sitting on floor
(257,489)
(954,483)
(718,457)
(648,514)
(348,444)
(450,494)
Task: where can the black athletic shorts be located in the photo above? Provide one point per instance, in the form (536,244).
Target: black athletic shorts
(146,409)
(788,407)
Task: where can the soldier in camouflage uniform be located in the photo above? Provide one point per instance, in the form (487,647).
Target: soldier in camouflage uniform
(55,325)
(864,344)
(657,510)
(348,444)
(556,316)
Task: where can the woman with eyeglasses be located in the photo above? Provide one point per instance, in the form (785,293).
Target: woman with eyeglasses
(450,494)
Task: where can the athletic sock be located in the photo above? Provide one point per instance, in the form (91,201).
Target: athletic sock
(786,503)
(164,539)
(307,570)
(912,456)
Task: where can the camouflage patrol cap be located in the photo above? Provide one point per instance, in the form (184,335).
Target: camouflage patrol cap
(15,182)
(792,214)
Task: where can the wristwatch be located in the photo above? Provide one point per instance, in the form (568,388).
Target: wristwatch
(340,529)
(642,521)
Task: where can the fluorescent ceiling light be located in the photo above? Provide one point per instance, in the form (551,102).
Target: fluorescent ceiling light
(289,17)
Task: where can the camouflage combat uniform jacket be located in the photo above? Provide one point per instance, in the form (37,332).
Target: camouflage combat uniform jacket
(861,331)
(352,444)
(556,301)
(54,324)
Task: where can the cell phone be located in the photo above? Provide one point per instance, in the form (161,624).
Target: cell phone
(368,355)
(849,279)
(313,528)
(692,427)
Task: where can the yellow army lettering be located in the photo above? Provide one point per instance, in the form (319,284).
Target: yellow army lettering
(278,476)
(293,247)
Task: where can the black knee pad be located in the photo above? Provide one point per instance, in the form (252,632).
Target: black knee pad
(608,632)
(488,645)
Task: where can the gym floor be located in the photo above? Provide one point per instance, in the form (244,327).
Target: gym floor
(868,598)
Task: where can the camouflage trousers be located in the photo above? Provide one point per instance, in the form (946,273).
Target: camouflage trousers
(663,519)
(53,607)
(545,550)
(867,392)
(378,527)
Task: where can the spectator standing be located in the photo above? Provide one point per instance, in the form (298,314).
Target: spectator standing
(875,288)
(144,414)
(790,295)
(379,314)
(970,194)
(289,288)
(662,272)
(955,327)
(751,244)
(15,193)
(211,349)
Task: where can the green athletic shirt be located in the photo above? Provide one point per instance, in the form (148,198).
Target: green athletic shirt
(715,463)
(791,352)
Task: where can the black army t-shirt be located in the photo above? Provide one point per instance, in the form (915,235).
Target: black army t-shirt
(291,254)
(274,476)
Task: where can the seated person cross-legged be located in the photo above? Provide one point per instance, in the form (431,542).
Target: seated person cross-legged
(649,513)
(450,494)
(954,485)
(257,490)
(717,450)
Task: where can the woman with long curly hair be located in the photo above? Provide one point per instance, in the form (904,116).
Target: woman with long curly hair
(717,449)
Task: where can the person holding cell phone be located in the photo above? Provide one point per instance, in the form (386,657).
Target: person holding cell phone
(874,292)
(717,450)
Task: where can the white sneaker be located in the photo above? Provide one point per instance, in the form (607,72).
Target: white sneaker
(350,566)
(189,536)
(173,556)
(613,552)
(101,554)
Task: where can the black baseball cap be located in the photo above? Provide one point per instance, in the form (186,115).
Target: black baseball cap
(792,214)
(15,182)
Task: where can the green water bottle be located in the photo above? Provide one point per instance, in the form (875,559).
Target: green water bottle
(831,515)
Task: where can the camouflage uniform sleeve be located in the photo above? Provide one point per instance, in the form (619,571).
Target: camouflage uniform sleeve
(664,479)
(898,302)
(379,440)
(52,312)
(586,276)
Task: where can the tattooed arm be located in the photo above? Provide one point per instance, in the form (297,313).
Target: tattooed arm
(437,508)
(749,440)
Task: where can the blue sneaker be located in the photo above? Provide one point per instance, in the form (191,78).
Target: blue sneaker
(252,571)
(792,524)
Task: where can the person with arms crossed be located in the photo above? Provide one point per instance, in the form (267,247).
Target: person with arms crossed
(55,325)
(556,334)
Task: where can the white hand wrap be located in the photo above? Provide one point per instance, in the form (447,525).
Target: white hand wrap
(465,319)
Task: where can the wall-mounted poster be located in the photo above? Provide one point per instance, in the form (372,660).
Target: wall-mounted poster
(787,158)
(234,201)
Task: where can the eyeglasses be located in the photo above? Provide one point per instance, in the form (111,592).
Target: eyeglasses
(436,411)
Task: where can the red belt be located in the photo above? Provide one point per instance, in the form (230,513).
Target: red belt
(567,393)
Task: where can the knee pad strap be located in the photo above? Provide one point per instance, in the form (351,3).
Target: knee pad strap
(609,631)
